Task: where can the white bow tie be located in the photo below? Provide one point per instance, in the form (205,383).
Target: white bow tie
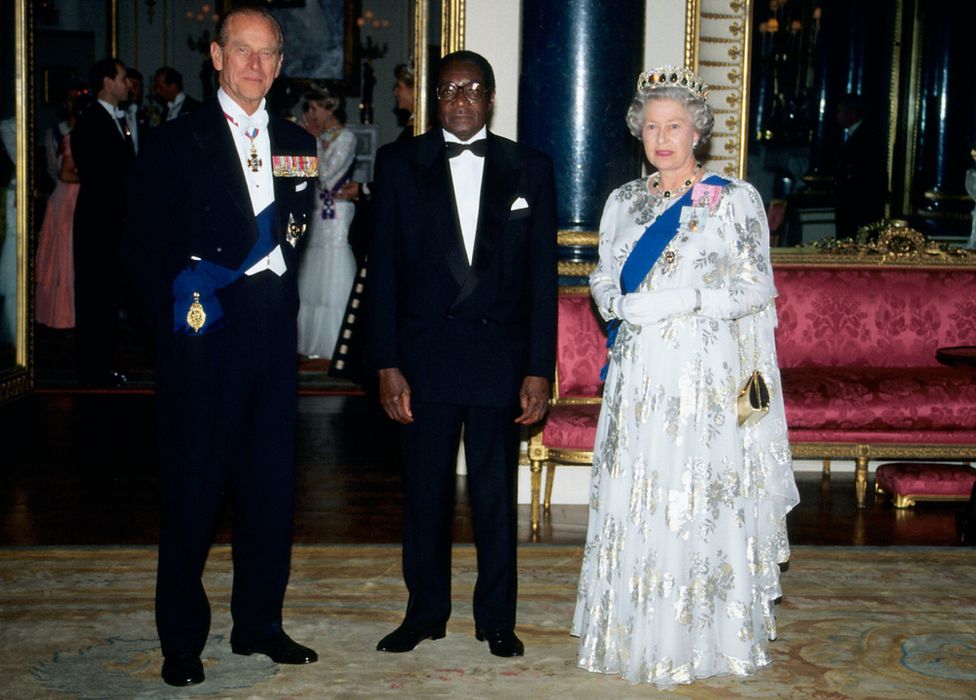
(247,124)
(119,114)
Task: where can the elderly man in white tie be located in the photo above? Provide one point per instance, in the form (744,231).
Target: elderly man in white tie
(220,198)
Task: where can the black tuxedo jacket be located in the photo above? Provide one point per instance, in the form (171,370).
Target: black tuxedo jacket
(189,106)
(861,176)
(189,198)
(103,157)
(460,333)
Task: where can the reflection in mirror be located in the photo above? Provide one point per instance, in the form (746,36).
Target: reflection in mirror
(856,113)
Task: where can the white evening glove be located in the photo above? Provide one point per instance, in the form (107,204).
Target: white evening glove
(646,308)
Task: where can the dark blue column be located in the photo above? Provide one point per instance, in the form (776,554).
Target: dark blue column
(946,118)
(580,61)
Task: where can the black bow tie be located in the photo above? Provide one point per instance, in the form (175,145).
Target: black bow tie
(478,148)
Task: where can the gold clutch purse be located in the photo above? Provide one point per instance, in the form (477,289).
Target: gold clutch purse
(753,400)
(752,403)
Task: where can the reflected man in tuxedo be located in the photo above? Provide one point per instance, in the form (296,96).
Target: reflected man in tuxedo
(861,172)
(218,199)
(168,86)
(103,151)
(461,331)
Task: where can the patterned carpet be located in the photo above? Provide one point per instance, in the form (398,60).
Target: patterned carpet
(892,623)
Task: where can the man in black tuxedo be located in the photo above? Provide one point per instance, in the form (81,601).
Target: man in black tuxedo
(103,151)
(219,198)
(461,331)
(168,86)
(135,115)
(861,172)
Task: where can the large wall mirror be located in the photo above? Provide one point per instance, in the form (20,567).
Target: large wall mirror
(780,71)
(46,50)
(15,210)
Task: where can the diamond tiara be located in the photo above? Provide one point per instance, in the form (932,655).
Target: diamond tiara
(672,76)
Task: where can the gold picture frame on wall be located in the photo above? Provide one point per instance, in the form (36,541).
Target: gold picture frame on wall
(451,38)
(16,376)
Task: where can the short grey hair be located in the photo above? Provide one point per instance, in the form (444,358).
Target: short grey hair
(223,30)
(702,118)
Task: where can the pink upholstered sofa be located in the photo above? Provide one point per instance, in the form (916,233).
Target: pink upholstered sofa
(857,347)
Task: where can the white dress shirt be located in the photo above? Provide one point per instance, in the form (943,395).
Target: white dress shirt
(260,184)
(173,108)
(467,172)
(115,113)
(132,119)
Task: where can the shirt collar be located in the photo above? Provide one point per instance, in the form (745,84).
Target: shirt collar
(451,138)
(233,109)
(112,110)
(178,100)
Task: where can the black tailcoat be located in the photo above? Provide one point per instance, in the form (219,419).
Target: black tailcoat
(103,157)
(227,398)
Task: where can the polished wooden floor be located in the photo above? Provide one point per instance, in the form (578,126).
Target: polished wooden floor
(79,468)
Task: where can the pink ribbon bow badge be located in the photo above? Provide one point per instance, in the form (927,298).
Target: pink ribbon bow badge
(703,195)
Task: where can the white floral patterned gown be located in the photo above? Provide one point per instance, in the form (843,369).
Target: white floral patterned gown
(687,520)
(327,267)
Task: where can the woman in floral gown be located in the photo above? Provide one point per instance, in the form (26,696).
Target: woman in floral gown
(327,267)
(687,522)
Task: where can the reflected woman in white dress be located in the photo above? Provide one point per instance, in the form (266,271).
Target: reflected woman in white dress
(687,521)
(327,266)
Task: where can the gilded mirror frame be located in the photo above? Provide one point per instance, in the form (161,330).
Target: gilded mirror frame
(718,44)
(451,39)
(18,380)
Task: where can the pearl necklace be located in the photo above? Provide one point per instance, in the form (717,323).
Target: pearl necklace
(668,194)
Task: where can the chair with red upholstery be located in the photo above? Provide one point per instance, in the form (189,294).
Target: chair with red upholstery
(857,347)
(568,433)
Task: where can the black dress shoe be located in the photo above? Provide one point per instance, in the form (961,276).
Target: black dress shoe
(280,648)
(501,643)
(404,639)
(182,670)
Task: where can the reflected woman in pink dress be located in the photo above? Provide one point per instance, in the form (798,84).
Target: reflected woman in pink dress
(55,292)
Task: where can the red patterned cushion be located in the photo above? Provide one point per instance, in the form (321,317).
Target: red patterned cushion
(871,316)
(915,399)
(581,349)
(910,479)
(571,427)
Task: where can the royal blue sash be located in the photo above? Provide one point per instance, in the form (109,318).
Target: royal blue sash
(647,251)
(205,278)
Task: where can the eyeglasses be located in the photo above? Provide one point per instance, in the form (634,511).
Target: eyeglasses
(473,92)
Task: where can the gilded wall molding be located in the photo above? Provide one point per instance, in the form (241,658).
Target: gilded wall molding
(717,46)
(451,39)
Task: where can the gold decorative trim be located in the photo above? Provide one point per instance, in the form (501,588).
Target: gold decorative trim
(421,64)
(692,26)
(17,380)
(710,26)
(590,238)
(579,400)
(908,500)
(889,242)
(934,196)
(573,290)
(575,269)
(451,39)
(452,26)
(575,457)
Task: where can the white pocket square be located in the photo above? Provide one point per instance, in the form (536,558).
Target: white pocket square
(519,203)
(301,186)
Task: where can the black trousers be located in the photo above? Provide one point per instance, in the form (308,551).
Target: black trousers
(227,402)
(429,448)
(98,286)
